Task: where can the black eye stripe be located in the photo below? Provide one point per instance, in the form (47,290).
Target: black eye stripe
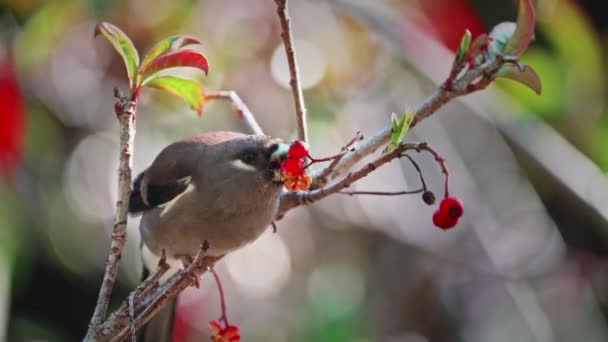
(272,148)
(248,157)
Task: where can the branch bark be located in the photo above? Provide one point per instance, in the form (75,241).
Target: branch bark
(241,108)
(125,111)
(296,85)
(149,297)
(472,80)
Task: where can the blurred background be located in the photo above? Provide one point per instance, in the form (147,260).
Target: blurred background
(528,261)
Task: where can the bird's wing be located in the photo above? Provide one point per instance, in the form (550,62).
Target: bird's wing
(167,177)
(173,170)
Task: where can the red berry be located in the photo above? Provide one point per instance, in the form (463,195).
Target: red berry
(298,150)
(293,166)
(452,206)
(444,221)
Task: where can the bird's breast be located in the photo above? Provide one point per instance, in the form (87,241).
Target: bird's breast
(227,223)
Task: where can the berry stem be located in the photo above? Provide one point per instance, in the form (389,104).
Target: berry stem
(382,193)
(315,160)
(441,161)
(417,170)
(218,282)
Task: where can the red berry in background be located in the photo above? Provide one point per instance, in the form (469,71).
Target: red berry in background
(452,206)
(450,18)
(293,167)
(12,114)
(298,150)
(444,221)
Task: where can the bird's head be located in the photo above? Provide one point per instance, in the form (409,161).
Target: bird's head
(254,158)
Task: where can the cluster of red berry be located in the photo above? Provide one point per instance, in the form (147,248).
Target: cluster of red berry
(449,212)
(293,168)
(229,334)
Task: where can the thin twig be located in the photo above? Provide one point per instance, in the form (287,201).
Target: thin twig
(240,107)
(440,97)
(441,161)
(324,159)
(418,170)
(397,193)
(149,284)
(125,112)
(381,193)
(140,294)
(351,146)
(131,303)
(296,85)
(274,226)
(115,325)
(294,199)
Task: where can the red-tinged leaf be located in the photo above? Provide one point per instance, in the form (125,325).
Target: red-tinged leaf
(190,91)
(524,33)
(527,76)
(167,45)
(479,44)
(123,45)
(501,34)
(179,58)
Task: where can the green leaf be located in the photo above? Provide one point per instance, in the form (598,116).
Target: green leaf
(168,45)
(123,45)
(399,127)
(500,36)
(189,90)
(524,33)
(526,76)
(465,44)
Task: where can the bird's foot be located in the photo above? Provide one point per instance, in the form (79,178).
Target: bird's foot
(187,260)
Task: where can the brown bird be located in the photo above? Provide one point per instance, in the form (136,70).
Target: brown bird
(220,187)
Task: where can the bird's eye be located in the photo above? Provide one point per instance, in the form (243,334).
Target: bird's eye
(248,157)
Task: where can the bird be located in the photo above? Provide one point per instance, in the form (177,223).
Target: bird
(221,187)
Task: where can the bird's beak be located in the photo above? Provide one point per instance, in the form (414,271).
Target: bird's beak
(277,158)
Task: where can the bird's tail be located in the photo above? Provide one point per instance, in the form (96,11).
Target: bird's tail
(160,327)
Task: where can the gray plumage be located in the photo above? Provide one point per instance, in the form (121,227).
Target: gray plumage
(220,187)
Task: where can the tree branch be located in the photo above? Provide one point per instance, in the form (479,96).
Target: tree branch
(125,108)
(150,296)
(295,199)
(381,193)
(324,174)
(296,85)
(471,81)
(241,108)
